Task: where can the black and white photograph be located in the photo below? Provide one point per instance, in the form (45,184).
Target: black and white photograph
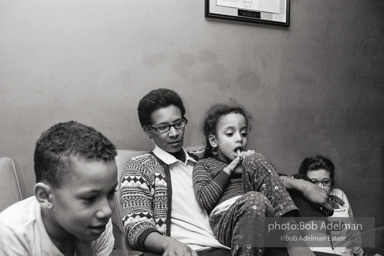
(191,128)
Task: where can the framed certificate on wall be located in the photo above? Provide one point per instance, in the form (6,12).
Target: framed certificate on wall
(271,12)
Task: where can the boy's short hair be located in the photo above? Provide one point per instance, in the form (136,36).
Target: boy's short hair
(58,143)
(156,99)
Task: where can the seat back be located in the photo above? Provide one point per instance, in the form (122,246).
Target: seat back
(9,189)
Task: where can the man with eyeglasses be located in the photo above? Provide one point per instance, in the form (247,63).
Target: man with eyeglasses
(159,209)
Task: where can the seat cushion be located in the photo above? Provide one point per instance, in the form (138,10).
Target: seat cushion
(9,189)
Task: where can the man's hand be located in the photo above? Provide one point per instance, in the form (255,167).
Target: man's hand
(314,193)
(318,195)
(335,201)
(173,247)
(167,246)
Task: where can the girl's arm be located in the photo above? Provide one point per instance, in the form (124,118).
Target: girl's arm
(208,189)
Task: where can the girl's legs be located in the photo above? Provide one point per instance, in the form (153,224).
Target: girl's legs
(241,227)
(259,175)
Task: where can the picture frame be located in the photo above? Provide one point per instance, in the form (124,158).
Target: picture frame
(269,12)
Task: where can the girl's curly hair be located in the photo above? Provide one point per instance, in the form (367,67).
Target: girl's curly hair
(212,117)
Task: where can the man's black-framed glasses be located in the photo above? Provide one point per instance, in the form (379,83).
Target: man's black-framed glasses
(163,128)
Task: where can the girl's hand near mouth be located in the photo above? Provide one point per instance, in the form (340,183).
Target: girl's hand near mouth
(234,165)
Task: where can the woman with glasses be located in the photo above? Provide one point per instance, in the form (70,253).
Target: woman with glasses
(321,171)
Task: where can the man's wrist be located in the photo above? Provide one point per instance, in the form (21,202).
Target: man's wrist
(301,185)
(296,184)
(289,182)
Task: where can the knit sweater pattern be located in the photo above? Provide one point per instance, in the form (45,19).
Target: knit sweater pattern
(143,199)
(212,186)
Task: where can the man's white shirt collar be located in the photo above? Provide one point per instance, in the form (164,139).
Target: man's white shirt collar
(169,159)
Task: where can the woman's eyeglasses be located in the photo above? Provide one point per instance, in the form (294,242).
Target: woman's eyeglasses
(325,182)
(163,128)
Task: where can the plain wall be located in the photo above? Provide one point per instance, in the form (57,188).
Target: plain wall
(315,87)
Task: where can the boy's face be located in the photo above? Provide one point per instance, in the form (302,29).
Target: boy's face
(171,141)
(83,204)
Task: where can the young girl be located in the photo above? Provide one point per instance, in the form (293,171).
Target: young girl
(235,184)
(321,171)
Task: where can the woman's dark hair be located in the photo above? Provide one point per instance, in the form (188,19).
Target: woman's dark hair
(156,99)
(317,162)
(212,117)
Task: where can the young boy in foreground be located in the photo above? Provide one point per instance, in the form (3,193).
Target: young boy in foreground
(69,215)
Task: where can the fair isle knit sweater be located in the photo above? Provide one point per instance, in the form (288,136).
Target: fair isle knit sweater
(213,186)
(145,198)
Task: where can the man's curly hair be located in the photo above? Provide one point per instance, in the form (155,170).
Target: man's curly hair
(156,99)
(58,143)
